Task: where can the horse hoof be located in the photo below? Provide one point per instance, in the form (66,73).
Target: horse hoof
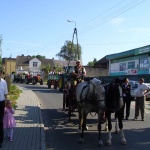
(108,143)
(124,142)
(81,141)
(100,143)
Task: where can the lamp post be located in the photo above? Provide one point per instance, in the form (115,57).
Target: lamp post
(72,21)
(74,33)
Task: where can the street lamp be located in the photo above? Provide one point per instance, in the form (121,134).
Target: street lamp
(72,21)
(74,33)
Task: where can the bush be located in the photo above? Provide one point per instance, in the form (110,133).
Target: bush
(14,94)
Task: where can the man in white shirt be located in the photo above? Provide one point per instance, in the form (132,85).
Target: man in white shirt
(3,96)
(140,98)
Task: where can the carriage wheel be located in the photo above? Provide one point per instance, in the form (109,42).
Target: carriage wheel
(64,100)
(60,84)
(69,112)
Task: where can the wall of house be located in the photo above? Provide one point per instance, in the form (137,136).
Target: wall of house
(34,65)
(10,66)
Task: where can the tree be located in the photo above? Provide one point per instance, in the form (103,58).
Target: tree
(69,51)
(91,63)
(38,56)
(47,68)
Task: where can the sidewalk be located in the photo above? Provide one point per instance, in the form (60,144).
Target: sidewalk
(29,132)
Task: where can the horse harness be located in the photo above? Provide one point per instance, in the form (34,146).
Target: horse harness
(93,96)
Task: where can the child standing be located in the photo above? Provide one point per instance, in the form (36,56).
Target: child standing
(9,120)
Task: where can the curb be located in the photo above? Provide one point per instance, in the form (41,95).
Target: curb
(43,144)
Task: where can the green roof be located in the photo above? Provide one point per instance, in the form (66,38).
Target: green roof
(133,52)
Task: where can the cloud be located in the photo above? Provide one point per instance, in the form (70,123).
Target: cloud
(117,21)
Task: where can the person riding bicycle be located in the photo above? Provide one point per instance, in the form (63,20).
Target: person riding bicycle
(78,73)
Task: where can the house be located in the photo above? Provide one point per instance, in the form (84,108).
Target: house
(132,62)
(9,65)
(30,64)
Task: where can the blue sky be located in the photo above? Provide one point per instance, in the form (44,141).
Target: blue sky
(104,27)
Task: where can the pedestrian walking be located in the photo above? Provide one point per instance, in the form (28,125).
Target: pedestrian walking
(140,99)
(9,120)
(3,96)
(126,88)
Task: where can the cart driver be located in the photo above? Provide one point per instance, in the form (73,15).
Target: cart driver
(78,73)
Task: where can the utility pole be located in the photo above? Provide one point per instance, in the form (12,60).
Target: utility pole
(75,33)
(0,51)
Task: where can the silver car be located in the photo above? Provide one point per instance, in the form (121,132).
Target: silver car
(134,85)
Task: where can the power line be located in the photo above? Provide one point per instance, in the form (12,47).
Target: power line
(112,15)
(118,43)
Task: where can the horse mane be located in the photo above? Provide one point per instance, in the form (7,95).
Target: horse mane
(95,81)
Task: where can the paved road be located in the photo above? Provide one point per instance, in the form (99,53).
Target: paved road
(62,135)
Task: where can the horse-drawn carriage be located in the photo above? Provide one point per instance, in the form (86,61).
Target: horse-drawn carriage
(94,95)
(69,98)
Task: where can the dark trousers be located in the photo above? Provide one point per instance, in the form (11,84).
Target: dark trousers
(139,105)
(126,103)
(2,105)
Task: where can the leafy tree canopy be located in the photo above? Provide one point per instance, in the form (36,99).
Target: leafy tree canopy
(38,56)
(47,68)
(91,63)
(70,51)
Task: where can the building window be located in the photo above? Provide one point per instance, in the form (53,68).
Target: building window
(144,64)
(34,64)
(122,66)
(131,65)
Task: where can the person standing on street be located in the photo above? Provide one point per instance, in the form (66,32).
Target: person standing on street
(140,99)
(3,96)
(126,88)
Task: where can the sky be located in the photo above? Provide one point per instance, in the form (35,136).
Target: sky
(40,27)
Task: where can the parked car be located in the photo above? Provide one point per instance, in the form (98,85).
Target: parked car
(148,94)
(134,85)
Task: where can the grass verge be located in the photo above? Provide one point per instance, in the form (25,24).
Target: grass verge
(13,95)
